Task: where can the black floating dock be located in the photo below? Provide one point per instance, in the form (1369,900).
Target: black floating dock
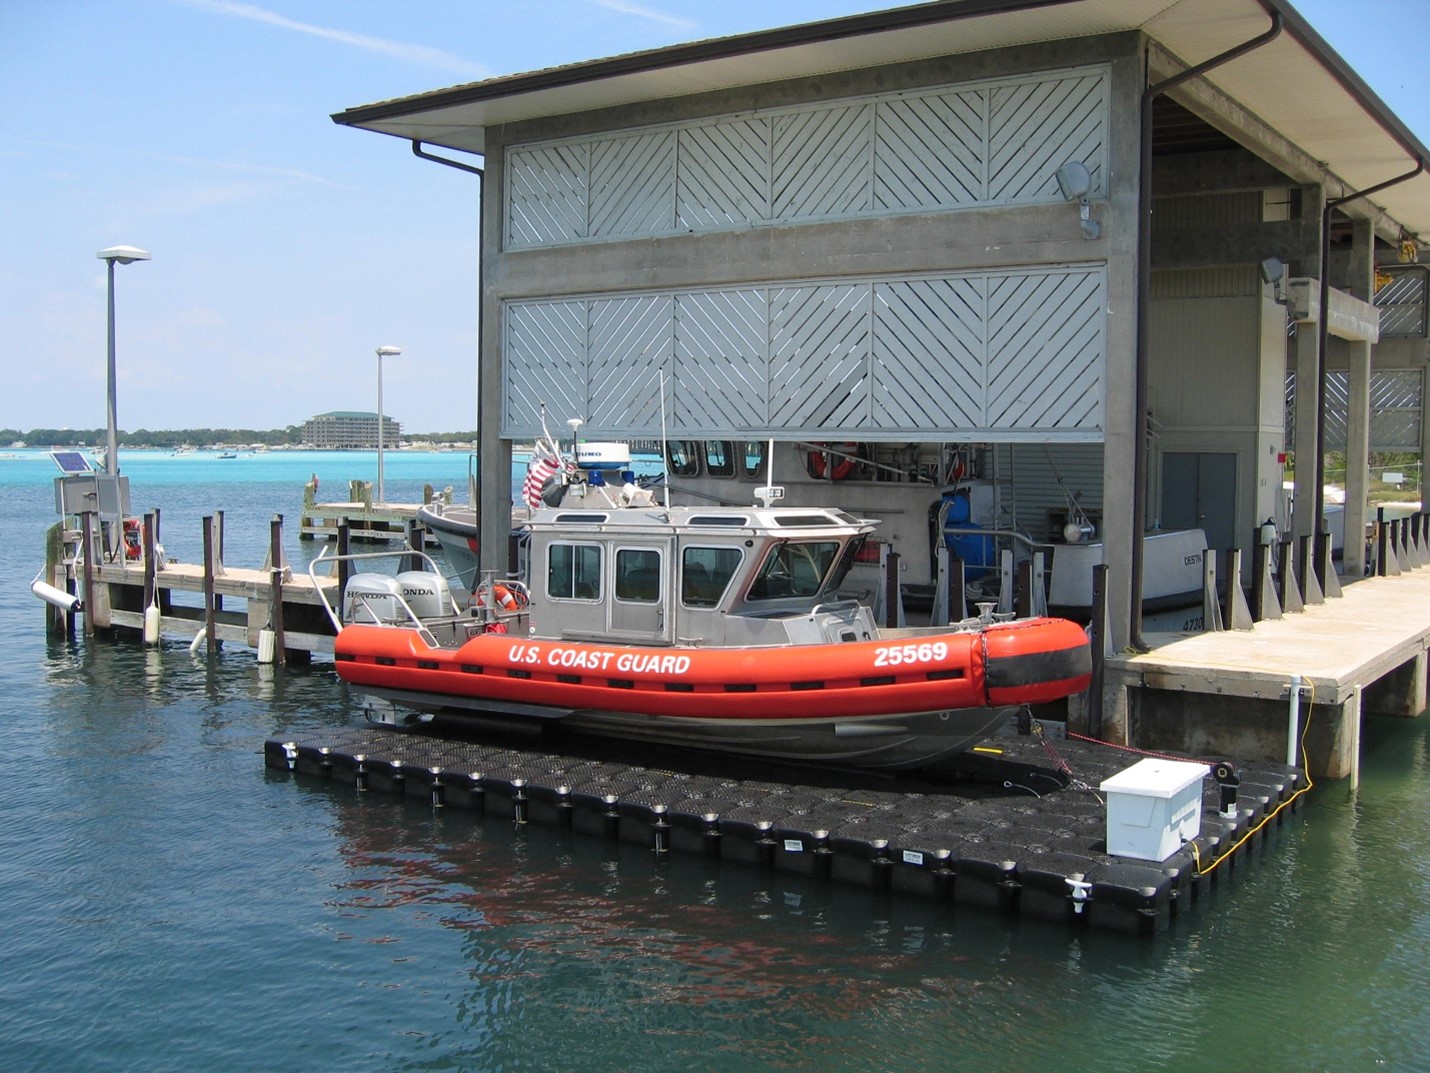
(1015,826)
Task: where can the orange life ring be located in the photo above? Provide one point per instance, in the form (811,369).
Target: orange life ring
(843,465)
(506,598)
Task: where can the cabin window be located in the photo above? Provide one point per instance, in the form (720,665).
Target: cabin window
(573,571)
(705,574)
(719,458)
(794,570)
(754,458)
(682,458)
(638,575)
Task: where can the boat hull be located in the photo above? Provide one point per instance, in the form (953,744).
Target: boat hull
(455,530)
(908,699)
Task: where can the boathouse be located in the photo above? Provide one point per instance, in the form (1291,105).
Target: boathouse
(1146,247)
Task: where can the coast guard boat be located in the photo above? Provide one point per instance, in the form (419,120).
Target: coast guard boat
(712,626)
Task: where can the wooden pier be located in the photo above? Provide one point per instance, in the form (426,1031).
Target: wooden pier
(131,586)
(1315,662)
(366,521)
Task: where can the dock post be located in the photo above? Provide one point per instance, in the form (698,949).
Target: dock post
(275,553)
(1097,640)
(416,540)
(1288,591)
(1330,580)
(1264,602)
(1211,596)
(891,591)
(1023,589)
(210,619)
(58,623)
(1237,615)
(1306,572)
(345,567)
(152,623)
(87,535)
(957,594)
(1407,546)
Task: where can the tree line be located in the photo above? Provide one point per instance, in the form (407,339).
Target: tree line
(292,436)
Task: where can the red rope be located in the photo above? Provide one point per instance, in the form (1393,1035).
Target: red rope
(1125,748)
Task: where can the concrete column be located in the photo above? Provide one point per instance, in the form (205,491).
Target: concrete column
(1357,456)
(1306,431)
(1361,283)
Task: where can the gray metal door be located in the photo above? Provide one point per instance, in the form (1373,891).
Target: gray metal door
(1199,492)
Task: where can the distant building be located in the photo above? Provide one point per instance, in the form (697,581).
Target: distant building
(349,428)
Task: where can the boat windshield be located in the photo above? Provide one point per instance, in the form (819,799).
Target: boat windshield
(706,573)
(794,569)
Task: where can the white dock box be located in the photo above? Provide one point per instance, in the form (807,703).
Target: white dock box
(1153,807)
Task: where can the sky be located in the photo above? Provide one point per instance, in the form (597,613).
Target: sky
(287,249)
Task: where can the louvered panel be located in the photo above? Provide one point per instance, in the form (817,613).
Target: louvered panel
(1045,351)
(632,339)
(724,174)
(1333,434)
(633,185)
(720,340)
(928,354)
(1395,409)
(821,161)
(546,195)
(1395,402)
(1038,126)
(1402,304)
(929,151)
(545,362)
(819,356)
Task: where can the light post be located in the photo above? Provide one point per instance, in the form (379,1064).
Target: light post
(124,255)
(382,352)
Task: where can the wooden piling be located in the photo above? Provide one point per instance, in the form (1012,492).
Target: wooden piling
(87,535)
(275,554)
(210,618)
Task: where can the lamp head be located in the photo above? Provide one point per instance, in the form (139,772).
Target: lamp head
(1272,270)
(1074,180)
(123,254)
(388,351)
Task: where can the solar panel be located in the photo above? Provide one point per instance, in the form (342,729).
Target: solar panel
(72,461)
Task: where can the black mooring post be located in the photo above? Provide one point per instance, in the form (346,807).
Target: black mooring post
(891,591)
(210,620)
(345,566)
(1381,540)
(1097,639)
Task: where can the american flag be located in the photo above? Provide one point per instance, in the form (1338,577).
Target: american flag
(541,467)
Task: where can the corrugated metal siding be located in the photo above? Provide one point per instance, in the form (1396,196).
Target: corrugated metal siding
(1037,482)
(994,355)
(1395,408)
(987,143)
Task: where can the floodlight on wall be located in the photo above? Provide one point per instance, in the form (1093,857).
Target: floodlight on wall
(1075,183)
(1273,272)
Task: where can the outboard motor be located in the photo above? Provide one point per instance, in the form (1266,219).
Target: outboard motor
(425,592)
(371,598)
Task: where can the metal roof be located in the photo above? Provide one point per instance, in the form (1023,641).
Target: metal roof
(1296,85)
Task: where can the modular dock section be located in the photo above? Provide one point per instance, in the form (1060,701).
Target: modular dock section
(1016,826)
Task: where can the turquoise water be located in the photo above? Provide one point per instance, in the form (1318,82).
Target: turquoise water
(171,905)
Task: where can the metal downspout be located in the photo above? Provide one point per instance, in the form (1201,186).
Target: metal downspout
(1323,339)
(1144,303)
(476,477)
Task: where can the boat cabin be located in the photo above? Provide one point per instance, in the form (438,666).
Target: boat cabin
(687,575)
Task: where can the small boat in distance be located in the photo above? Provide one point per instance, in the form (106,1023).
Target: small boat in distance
(712,626)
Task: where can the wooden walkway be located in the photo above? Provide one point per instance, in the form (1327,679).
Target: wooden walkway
(1364,650)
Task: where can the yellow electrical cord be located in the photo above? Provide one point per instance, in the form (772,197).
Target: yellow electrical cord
(1306,766)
